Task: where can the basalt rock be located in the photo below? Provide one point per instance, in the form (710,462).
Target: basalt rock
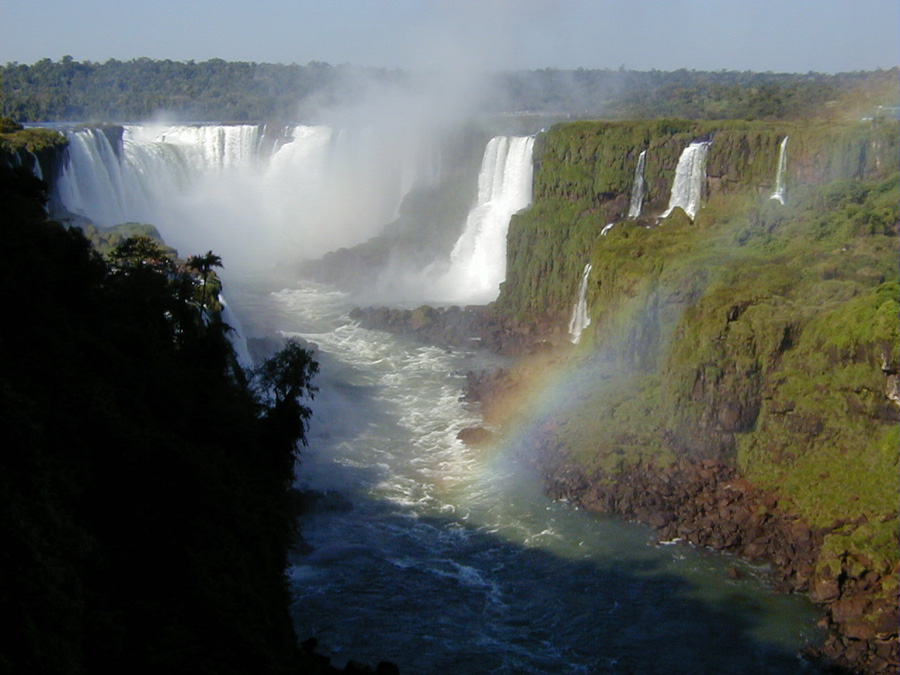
(463,328)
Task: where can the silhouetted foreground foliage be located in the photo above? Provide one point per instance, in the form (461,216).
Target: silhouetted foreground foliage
(144,500)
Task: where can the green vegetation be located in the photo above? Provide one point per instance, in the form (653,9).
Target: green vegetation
(763,335)
(584,172)
(69,90)
(144,482)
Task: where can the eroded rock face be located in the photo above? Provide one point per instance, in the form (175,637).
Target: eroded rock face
(468,327)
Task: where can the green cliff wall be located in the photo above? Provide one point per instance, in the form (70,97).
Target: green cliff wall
(762,335)
(584,173)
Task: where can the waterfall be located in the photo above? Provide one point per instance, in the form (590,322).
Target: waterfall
(478,261)
(687,188)
(779,173)
(36,166)
(236,335)
(637,190)
(580,317)
(213,186)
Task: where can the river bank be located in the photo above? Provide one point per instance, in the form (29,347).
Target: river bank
(698,502)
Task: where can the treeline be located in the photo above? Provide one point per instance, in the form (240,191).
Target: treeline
(690,94)
(144,479)
(215,90)
(223,91)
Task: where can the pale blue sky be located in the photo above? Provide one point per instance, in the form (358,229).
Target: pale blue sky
(761,35)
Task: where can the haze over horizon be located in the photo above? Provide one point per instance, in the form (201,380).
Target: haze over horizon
(781,36)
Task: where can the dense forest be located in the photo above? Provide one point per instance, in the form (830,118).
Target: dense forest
(217,90)
(145,480)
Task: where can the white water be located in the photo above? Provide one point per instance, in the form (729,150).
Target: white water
(637,189)
(778,194)
(213,187)
(581,319)
(478,260)
(236,335)
(451,559)
(690,174)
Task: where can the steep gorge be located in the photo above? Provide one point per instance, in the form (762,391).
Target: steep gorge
(735,381)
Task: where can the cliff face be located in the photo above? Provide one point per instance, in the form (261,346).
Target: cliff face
(761,336)
(584,174)
(32,148)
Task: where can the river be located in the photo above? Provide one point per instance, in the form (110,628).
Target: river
(449,559)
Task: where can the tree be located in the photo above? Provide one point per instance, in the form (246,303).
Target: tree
(287,376)
(141,252)
(284,379)
(203,265)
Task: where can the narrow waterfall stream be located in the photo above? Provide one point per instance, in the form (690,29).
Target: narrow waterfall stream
(778,193)
(581,319)
(687,186)
(639,187)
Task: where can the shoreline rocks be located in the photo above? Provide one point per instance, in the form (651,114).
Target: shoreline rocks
(706,503)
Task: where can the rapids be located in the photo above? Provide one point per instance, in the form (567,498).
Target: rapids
(452,560)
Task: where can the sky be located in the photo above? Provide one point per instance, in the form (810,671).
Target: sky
(761,35)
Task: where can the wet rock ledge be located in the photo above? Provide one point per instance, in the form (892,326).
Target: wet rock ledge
(462,327)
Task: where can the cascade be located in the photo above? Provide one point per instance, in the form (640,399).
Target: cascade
(687,188)
(36,166)
(478,260)
(637,191)
(779,173)
(580,317)
(213,186)
(236,335)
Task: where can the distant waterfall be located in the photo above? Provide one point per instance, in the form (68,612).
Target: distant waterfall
(639,187)
(478,261)
(213,187)
(580,317)
(779,173)
(687,188)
